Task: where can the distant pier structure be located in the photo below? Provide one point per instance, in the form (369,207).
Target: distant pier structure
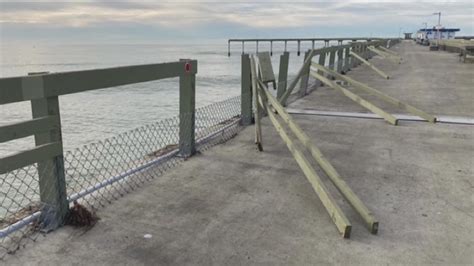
(297,40)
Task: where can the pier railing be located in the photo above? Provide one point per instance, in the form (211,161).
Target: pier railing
(340,58)
(39,184)
(326,41)
(326,69)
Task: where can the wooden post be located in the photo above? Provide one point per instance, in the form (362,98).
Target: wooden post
(305,74)
(299,46)
(52,181)
(187,102)
(258,108)
(347,61)
(283,74)
(321,61)
(340,59)
(246,92)
(332,58)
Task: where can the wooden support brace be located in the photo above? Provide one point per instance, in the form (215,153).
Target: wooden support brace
(384,55)
(364,103)
(318,156)
(290,88)
(385,97)
(380,72)
(389,51)
(335,212)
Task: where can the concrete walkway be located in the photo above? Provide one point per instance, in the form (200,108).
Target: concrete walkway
(233,205)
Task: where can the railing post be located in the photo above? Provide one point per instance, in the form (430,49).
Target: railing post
(246,92)
(354,47)
(283,74)
(187,101)
(305,75)
(332,59)
(52,181)
(340,60)
(347,63)
(322,62)
(365,51)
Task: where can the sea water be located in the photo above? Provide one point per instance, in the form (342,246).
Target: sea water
(95,115)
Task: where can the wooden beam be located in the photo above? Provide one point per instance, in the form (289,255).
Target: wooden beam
(379,94)
(31,156)
(364,103)
(389,51)
(380,72)
(290,88)
(27,128)
(335,212)
(42,86)
(384,55)
(318,156)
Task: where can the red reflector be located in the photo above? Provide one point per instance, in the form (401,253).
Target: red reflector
(187,67)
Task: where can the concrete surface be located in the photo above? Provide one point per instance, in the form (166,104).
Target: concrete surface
(233,205)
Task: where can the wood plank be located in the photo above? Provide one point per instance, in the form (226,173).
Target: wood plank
(335,212)
(55,84)
(31,156)
(384,55)
(27,128)
(380,72)
(383,96)
(364,103)
(318,156)
(265,67)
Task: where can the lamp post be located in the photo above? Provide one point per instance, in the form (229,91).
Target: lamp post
(439,25)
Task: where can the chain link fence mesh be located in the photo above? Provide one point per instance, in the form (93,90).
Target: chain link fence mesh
(100,172)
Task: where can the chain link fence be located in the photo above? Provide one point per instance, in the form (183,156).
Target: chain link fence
(100,172)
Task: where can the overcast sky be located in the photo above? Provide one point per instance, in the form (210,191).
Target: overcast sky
(163,21)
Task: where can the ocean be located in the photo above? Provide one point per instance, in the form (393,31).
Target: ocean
(96,115)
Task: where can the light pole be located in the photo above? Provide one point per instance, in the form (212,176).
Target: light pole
(439,25)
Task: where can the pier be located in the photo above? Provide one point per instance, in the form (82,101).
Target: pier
(394,119)
(298,41)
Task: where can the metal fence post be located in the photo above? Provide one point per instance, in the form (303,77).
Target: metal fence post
(52,182)
(246,92)
(305,75)
(187,102)
(283,74)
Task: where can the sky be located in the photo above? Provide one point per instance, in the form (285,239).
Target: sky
(192,20)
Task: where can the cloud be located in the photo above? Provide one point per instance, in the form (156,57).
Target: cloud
(258,17)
